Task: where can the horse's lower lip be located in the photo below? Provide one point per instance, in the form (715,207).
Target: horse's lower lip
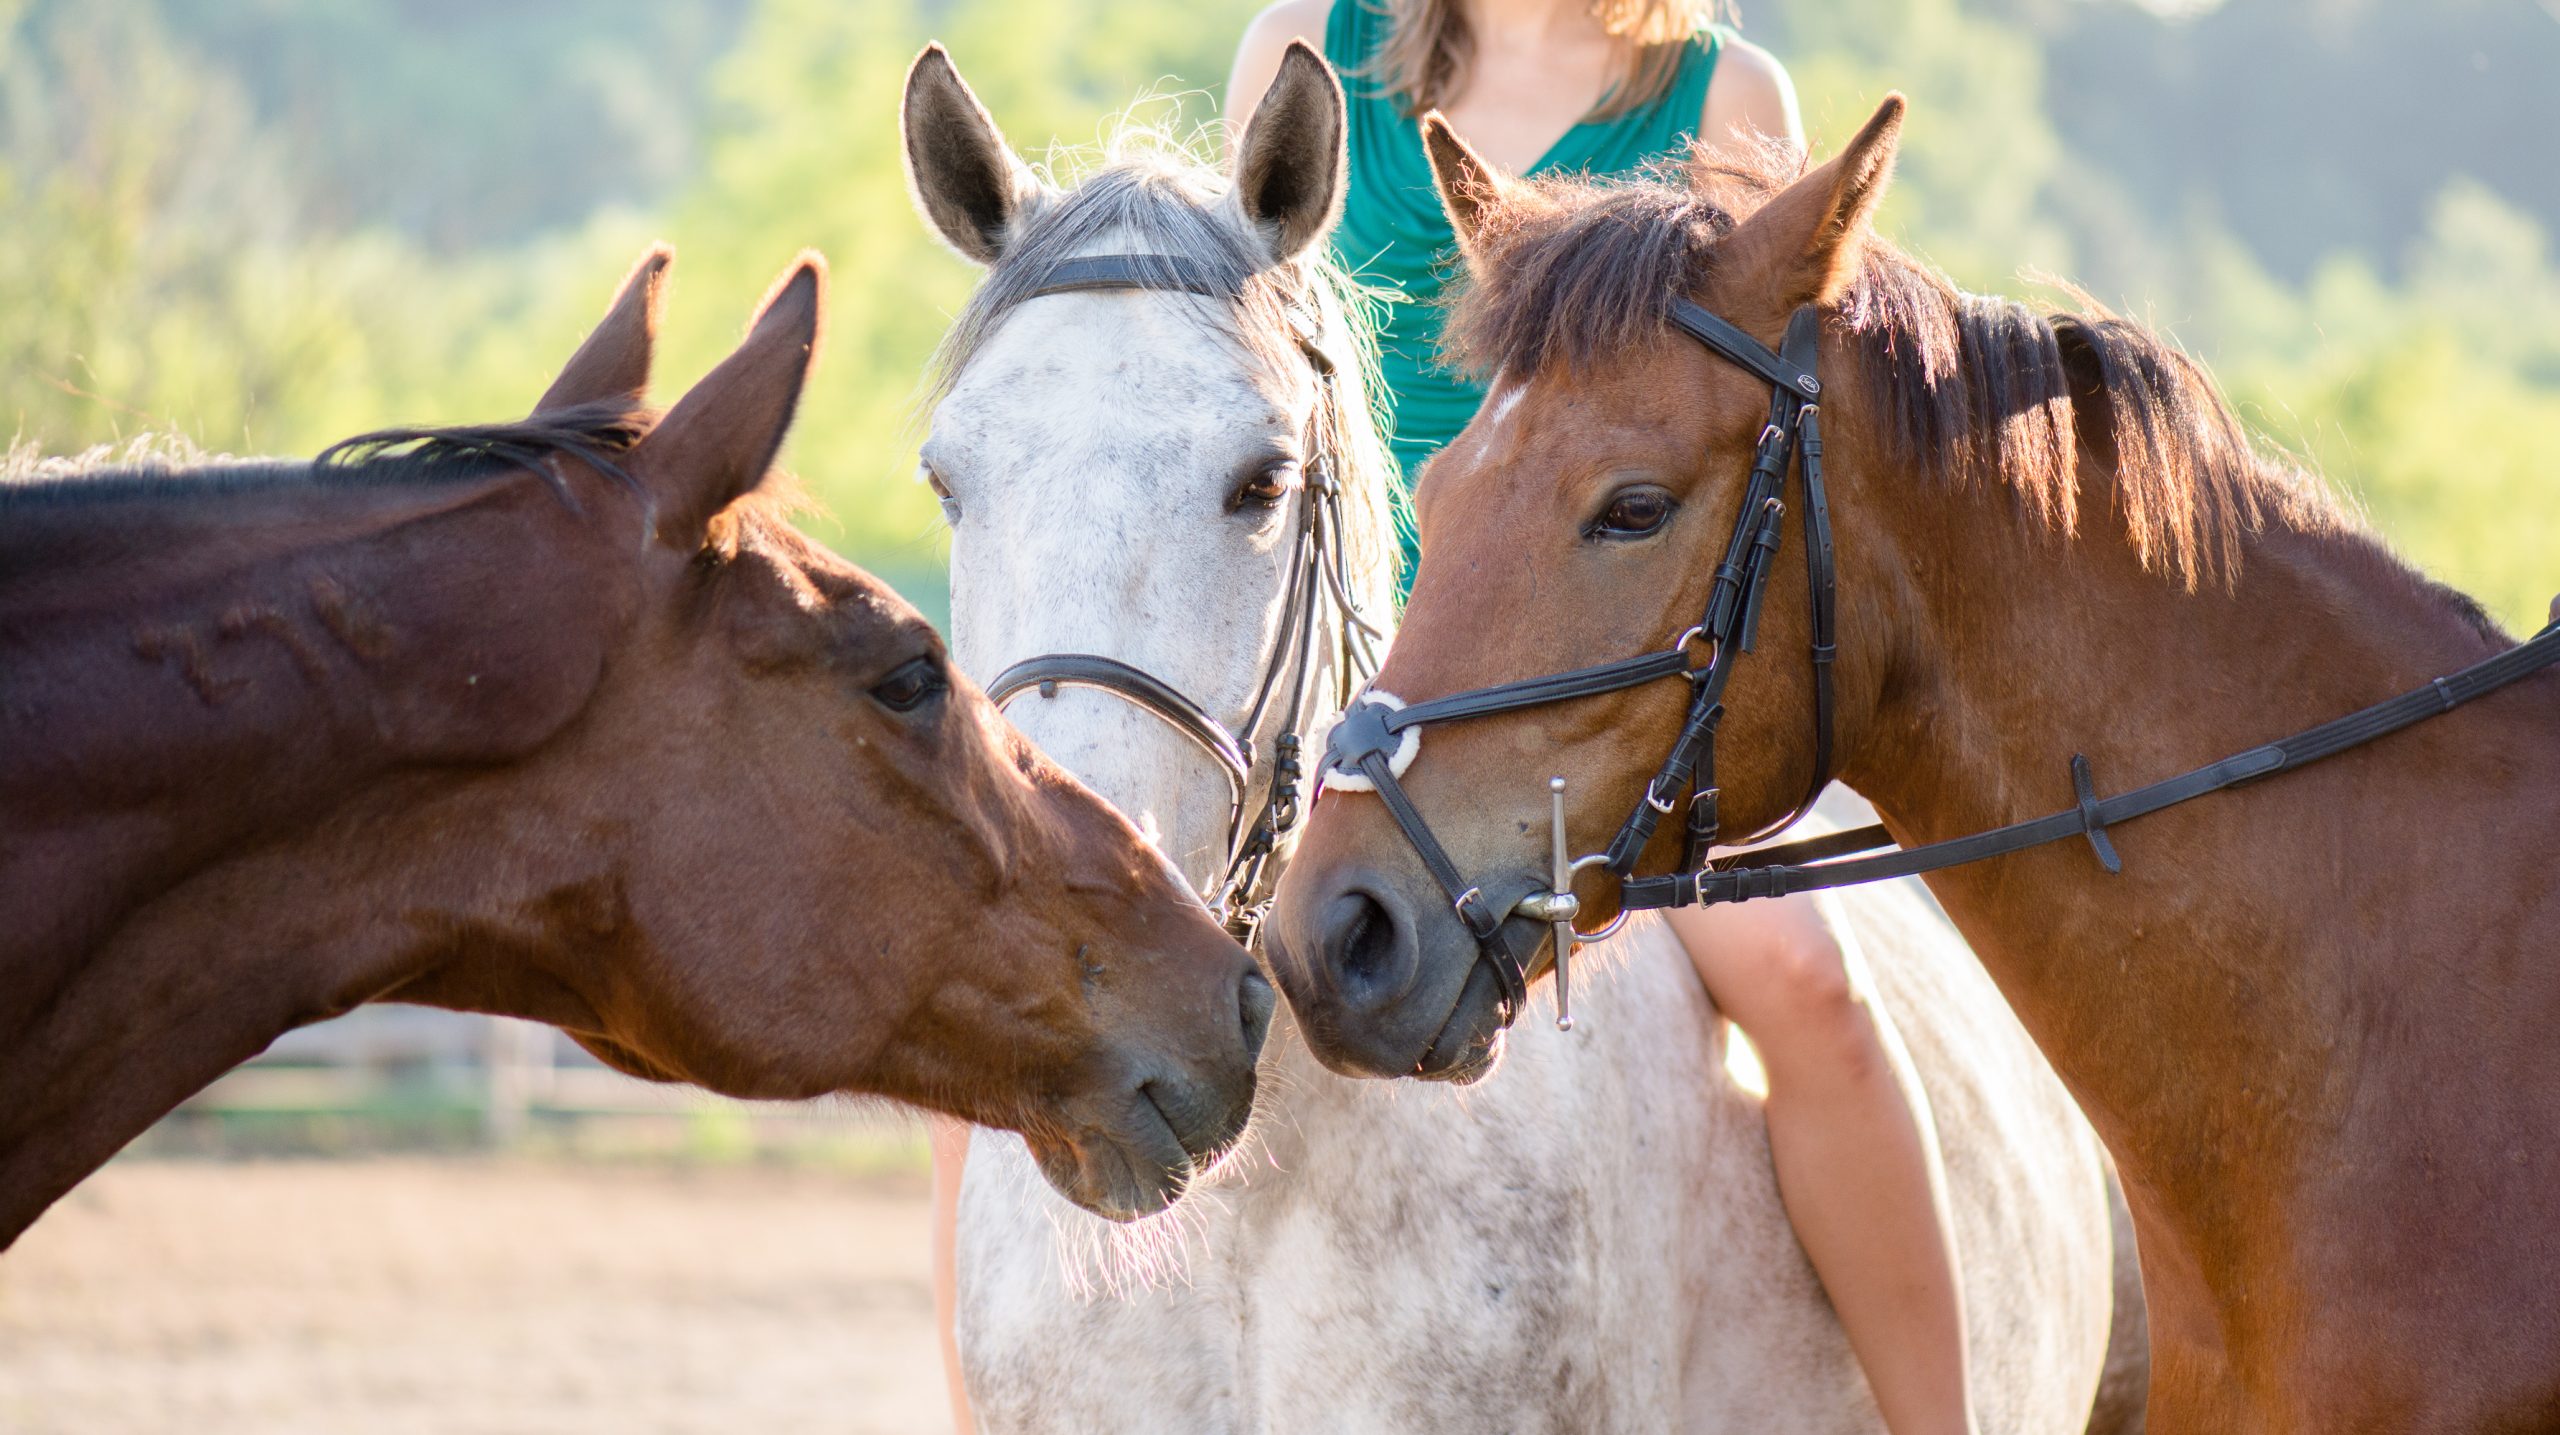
(1154,1181)
(1455,1056)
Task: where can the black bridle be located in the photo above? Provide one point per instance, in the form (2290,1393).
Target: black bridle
(1366,740)
(1375,732)
(1240,892)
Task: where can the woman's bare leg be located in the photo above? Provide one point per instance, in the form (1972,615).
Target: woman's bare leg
(950,1152)
(1856,1154)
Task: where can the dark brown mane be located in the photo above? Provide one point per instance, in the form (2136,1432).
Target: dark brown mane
(598,433)
(1973,390)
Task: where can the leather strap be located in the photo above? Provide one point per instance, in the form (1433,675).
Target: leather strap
(1467,900)
(1538,692)
(1159,272)
(1316,570)
(1776,871)
(1727,339)
(1138,687)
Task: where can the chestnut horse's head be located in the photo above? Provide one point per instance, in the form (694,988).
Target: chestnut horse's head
(833,866)
(1575,521)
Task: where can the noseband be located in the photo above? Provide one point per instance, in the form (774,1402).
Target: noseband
(1240,893)
(1365,743)
(1378,737)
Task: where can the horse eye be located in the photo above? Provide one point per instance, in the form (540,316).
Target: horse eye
(910,684)
(1266,487)
(941,493)
(1635,513)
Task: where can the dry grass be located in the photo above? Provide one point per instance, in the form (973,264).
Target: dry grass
(470,1298)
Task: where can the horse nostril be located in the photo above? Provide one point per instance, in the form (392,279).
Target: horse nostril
(1370,963)
(1255,1000)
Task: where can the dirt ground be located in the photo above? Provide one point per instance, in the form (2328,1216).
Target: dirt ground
(470,1297)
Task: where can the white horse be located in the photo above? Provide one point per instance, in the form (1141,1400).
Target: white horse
(1592,1239)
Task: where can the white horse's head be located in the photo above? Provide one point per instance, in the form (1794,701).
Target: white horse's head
(1127,469)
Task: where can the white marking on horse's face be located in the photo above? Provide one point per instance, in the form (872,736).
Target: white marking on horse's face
(1093,448)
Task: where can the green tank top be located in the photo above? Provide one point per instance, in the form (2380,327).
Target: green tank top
(1393,234)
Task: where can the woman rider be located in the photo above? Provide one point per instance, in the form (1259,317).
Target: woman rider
(1602,86)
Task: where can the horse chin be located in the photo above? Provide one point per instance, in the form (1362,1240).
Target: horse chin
(1475,1063)
(1469,1044)
(1130,1170)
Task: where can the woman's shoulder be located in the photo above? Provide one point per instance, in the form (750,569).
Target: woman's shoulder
(1286,20)
(1749,94)
(1266,39)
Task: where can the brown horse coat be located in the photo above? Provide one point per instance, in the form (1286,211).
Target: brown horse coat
(2314,1017)
(557,719)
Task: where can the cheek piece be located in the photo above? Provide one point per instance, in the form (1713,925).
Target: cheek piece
(1240,893)
(1372,747)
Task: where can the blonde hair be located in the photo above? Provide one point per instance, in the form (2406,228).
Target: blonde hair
(1429,46)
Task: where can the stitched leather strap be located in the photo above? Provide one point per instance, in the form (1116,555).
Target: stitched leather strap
(1289,668)
(1775,871)
(1538,692)
(1716,333)
(1160,272)
(1137,687)
(1467,900)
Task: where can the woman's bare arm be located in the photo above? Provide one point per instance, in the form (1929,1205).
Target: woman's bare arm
(950,1150)
(1749,99)
(1258,55)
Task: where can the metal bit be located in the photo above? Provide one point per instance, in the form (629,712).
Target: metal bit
(1564,917)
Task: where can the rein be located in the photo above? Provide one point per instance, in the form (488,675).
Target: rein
(1240,893)
(1379,737)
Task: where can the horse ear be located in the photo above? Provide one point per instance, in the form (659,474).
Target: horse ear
(1292,158)
(718,441)
(1470,187)
(1802,247)
(614,361)
(966,180)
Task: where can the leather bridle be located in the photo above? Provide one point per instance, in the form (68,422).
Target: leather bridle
(1378,737)
(1365,742)
(1240,892)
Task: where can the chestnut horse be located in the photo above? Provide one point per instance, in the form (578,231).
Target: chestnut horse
(558,719)
(2312,1018)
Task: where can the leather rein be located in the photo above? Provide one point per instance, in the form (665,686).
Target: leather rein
(1378,737)
(1240,892)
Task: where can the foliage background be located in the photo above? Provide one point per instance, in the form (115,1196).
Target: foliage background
(266,224)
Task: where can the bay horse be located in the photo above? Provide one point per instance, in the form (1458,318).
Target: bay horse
(1592,1241)
(560,719)
(2312,1018)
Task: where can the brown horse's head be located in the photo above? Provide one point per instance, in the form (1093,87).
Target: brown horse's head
(1573,522)
(559,719)
(835,867)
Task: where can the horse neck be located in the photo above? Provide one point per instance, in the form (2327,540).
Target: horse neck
(206,974)
(216,784)
(2216,980)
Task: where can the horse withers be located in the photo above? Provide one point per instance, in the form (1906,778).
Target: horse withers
(2311,1016)
(560,719)
(1151,410)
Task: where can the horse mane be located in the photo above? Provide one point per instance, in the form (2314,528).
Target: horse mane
(162,468)
(1154,193)
(1974,390)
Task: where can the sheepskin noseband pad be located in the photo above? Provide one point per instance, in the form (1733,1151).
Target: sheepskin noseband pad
(1361,731)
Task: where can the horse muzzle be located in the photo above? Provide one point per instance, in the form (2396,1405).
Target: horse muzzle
(1388,982)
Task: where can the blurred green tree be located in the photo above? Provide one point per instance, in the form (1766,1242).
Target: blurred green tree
(270,224)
